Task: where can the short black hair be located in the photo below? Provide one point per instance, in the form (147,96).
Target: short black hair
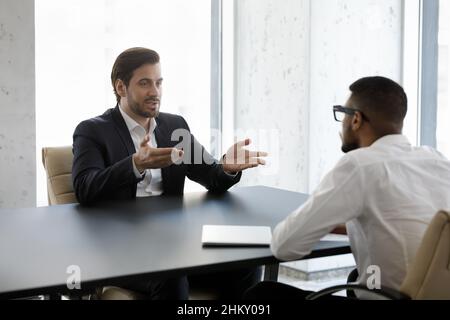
(381,98)
(128,61)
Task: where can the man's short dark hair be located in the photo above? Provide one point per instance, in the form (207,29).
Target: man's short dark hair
(127,62)
(380,98)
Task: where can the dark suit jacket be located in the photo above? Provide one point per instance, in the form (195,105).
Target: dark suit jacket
(103,168)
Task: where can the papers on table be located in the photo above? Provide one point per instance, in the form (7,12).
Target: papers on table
(227,235)
(335,237)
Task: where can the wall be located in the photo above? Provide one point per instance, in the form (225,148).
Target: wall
(17,104)
(443,129)
(294,61)
(350,39)
(272,87)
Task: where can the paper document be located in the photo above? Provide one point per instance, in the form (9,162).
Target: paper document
(226,235)
(335,237)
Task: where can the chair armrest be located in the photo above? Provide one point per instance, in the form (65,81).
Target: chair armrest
(384,292)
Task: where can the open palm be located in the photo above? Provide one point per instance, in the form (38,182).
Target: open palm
(237,158)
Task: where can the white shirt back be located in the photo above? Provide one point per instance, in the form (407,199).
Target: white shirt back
(386,194)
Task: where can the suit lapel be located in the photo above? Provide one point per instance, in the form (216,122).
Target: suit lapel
(161,134)
(123,131)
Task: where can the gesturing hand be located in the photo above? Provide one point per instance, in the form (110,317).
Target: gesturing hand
(237,158)
(148,157)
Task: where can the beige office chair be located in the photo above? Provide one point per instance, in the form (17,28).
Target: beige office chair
(428,277)
(57,162)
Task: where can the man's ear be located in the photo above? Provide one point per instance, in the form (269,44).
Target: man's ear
(121,88)
(357,121)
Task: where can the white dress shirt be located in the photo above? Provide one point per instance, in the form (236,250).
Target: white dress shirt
(151,185)
(386,194)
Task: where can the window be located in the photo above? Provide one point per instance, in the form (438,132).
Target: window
(411,63)
(77,42)
(295,60)
(443,112)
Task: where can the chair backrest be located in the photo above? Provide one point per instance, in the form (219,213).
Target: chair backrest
(428,277)
(57,162)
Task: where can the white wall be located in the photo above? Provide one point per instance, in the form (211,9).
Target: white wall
(272,85)
(294,60)
(17,103)
(443,129)
(350,39)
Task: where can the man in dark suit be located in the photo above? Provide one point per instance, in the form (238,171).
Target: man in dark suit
(133,150)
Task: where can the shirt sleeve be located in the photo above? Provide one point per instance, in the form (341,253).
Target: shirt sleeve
(136,171)
(231,175)
(337,199)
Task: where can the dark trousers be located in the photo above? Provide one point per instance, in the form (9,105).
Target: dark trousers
(167,289)
(272,290)
(227,285)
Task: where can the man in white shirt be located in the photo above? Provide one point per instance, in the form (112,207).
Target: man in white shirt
(133,150)
(385,191)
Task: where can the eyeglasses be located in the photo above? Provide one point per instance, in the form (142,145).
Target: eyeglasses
(340,112)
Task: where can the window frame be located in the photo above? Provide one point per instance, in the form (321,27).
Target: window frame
(428,87)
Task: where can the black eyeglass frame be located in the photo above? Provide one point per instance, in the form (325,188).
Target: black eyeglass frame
(349,111)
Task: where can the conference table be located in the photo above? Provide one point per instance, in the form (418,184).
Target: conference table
(147,238)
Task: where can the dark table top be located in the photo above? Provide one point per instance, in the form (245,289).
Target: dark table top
(148,237)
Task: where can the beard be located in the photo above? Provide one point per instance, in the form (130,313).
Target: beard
(140,109)
(349,143)
(347,147)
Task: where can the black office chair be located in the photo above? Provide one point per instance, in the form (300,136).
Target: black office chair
(352,277)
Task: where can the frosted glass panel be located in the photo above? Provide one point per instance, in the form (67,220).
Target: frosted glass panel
(443,114)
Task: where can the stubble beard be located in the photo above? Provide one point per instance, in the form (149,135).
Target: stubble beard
(139,110)
(348,146)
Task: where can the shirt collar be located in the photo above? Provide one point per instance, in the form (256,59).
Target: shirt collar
(391,139)
(132,124)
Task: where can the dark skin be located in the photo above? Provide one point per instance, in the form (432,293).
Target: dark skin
(359,133)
